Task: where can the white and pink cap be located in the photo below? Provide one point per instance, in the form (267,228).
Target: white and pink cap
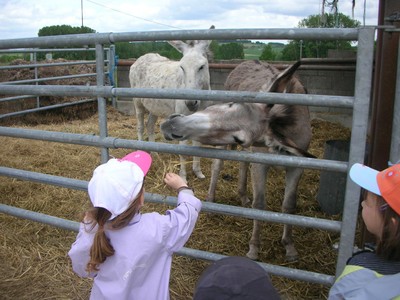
(117,183)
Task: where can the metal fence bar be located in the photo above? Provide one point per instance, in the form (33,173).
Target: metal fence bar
(113,142)
(87,62)
(48,107)
(16,98)
(60,181)
(271,269)
(249,213)
(36,80)
(33,50)
(36,76)
(188,252)
(113,61)
(206,34)
(102,105)
(39,217)
(358,142)
(203,95)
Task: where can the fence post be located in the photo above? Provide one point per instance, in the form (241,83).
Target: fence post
(101,102)
(111,69)
(36,77)
(358,142)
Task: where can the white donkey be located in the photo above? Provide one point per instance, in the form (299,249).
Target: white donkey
(155,71)
(273,128)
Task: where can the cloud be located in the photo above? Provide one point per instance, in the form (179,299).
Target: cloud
(24,18)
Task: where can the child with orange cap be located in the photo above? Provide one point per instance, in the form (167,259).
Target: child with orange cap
(129,254)
(375,274)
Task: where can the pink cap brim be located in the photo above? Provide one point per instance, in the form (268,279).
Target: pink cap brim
(365,177)
(140,158)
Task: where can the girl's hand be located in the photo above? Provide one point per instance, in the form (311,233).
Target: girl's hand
(174,181)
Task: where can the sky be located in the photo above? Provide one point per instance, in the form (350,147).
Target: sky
(24,18)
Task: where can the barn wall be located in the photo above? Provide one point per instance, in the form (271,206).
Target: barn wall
(320,81)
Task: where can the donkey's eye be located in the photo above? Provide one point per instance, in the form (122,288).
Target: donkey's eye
(230,104)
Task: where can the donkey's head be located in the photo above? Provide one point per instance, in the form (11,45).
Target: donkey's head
(275,126)
(193,67)
(220,124)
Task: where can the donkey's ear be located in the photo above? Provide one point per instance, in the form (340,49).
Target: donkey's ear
(283,77)
(205,43)
(266,108)
(179,45)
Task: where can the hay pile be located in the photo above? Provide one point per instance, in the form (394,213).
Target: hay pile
(47,72)
(34,256)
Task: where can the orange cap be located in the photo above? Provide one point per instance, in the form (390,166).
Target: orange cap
(385,183)
(389,186)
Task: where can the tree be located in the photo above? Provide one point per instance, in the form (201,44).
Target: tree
(297,49)
(67,29)
(135,50)
(338,20)
(229,51)
(63,29)
(268,53)
(214,48)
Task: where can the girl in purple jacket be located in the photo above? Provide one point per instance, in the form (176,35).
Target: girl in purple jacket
(128,253)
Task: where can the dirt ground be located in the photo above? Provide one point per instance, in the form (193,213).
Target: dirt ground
(34,257)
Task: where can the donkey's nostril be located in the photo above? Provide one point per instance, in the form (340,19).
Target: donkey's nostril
(238,141)
(176,137)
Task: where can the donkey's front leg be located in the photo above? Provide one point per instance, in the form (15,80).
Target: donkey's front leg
(151,124)
(216,167)
(289,206)
(182,160)
(196,163)
(139,111)
(242,190)
(258,176)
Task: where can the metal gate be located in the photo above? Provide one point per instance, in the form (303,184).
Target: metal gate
(359,105)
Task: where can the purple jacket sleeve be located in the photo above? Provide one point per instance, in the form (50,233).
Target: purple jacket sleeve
(183,219)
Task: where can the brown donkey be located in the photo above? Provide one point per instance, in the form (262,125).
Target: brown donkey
(267,128)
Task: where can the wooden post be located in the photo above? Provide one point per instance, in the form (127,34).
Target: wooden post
(383,90)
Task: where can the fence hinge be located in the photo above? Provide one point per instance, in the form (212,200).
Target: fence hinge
(393,17)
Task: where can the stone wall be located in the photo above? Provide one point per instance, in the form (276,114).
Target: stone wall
(333,78)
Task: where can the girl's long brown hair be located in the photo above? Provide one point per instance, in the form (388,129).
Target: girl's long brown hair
(101,247)
(388,246)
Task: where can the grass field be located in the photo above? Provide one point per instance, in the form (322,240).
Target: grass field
(254,50)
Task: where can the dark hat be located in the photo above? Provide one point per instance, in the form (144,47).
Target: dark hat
(233,278)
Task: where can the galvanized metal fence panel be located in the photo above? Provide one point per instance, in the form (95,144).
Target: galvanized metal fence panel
(359,103)
(109,62)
